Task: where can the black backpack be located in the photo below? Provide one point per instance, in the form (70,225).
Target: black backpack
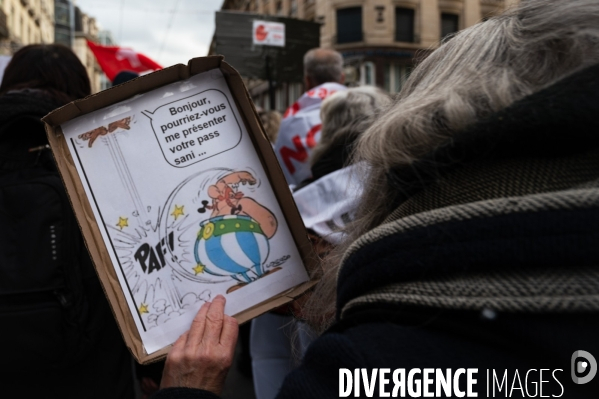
(43,306)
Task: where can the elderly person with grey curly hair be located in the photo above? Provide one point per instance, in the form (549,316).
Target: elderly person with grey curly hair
(345,116)
(326,201)
(472,267)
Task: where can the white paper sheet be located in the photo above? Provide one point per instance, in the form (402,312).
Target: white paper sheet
(183,205)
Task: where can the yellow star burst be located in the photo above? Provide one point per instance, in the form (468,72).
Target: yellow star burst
(178,211)
(143,308)
(198,269)
(123,222)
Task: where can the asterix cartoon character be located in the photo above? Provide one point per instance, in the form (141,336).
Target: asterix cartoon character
(234,241)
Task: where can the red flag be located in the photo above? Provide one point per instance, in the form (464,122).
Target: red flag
(114,59)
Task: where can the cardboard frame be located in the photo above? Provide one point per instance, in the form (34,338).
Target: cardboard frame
(83,210)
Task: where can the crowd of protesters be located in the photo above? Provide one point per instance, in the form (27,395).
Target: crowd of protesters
(455,223)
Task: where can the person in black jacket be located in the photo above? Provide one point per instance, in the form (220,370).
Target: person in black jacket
(63,341)
(472,268)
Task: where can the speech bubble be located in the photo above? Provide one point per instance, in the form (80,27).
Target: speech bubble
(195,128)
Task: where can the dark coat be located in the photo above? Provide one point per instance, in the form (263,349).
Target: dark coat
(106,371)
(489,261)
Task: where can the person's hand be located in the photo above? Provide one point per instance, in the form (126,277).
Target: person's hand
(202,356)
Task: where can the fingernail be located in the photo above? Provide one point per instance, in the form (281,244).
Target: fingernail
(220,296)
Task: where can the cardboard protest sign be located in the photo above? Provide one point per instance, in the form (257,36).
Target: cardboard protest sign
(180,198)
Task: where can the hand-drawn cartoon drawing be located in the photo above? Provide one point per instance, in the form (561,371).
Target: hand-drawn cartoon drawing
(92,135)
(123,222)
(234,241)
(148,166)
(161,252)
(162,310)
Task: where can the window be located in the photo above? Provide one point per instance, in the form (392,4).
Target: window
(404,25)
(349,25)
(395,77)
(62,36)
(367,74)
(449,24)
(387,78)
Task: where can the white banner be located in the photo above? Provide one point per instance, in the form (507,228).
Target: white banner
(330,203)
(300,131)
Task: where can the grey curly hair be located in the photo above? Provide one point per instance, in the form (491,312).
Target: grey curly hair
(347,114)
(479,71)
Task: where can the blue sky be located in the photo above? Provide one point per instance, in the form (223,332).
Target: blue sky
(168,31)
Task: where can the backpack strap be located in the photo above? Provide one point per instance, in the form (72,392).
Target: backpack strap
(73,299)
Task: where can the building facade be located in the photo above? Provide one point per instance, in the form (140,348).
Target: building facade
(379,39)
(105,39)
(86,29)
(301,9)
(64,22)
(24,22)
(285,92)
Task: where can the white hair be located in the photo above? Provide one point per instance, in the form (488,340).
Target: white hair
(346,115)
(479,71)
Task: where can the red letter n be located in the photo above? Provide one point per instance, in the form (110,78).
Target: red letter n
(300,154)
(310,141)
